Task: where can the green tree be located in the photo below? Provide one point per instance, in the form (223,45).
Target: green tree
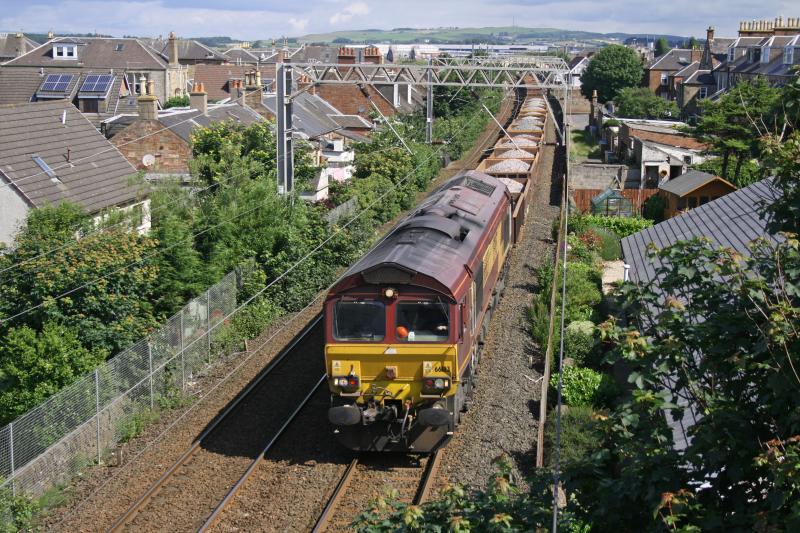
(692,43)
(34,366)
(662,46)
(639,102)
(610,70)
(102,285)
(734,124)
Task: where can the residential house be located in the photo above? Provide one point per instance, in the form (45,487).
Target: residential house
(766,49)
(732,221)
(222,81)
(658,149)
(663,69)
(14,45)
(577,66)
(240,56)
(159,142)
(51,154)
(101,76)
(692,189)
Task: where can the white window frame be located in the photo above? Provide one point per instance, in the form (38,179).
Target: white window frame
(765,54)
(65,51)
(703,92)
(664,79)
(732,53)
(788,55)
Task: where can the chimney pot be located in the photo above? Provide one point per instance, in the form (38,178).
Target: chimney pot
(198,99)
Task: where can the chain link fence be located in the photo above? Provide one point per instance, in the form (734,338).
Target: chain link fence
(52,442)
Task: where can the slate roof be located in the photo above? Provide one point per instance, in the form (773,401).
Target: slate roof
(188,50)
(314,116)
(688,182)
(184,121)
(94,52)
(700,77)
(732,221)
(241,56)
(675,59)
(97,175)
(8,46)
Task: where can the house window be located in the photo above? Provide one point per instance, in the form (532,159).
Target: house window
(703,92)
(664,78)
(765,54)
(753,55)
(65,51)
(90,105)
(788,55)
(136,81)
(732,53)
(687,159)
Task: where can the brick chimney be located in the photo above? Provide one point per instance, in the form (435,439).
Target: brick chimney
(373,55)
(347,56)
(20,42)
(254,91)
(198,99)
(147,103)
(172,49)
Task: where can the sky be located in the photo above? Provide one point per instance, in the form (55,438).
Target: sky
(261,19)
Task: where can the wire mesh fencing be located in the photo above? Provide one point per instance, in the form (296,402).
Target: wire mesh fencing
(77,426)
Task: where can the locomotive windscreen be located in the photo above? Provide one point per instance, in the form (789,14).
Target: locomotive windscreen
(423,320)
(359,320)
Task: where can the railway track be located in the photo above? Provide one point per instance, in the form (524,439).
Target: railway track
(332,517)
(199,484)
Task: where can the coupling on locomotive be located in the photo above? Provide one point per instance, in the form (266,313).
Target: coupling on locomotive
(404,325)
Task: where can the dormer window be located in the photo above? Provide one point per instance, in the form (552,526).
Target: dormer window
(732,53)
(788,55)
(65,51)
(753,55)
(765,54)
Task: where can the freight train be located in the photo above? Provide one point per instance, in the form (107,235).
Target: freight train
(405,325)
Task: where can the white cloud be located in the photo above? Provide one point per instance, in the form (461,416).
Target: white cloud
(356,9)
(298,25)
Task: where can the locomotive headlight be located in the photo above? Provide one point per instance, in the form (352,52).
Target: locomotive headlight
(390,293)
(439,383)
(347,383)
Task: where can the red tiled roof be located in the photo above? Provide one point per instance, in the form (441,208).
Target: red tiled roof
(677,140)
(216,77)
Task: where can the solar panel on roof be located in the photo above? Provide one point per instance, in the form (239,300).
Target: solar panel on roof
(96,83)
(57,82)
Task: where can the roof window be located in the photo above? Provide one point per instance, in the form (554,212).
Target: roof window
(46,169)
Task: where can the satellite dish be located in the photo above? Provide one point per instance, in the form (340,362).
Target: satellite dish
(148,160)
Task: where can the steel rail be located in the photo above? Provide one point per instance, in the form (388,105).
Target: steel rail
(212,519)
(142,501)
(333,501)
(420,496)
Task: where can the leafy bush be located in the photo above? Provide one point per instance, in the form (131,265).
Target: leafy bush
(610,248)
(177,101)
(583,291)
(254,317)
(584,386)
(579,250)
(622,226)
(16,512)
(653,208)
(501,507)
(749,171)
(579,340)
(580,434)
(640,102)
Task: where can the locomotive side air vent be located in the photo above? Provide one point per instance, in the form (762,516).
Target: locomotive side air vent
(479,186)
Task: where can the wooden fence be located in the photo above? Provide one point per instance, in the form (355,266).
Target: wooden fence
(583,198)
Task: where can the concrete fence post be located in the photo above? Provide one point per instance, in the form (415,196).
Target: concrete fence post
(11,453)
(208,324)
(183,362)
(150,366)
(97,410)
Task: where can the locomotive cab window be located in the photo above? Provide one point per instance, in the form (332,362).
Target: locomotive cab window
(422,321)
(359,320)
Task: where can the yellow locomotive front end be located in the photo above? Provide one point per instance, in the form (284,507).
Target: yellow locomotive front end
(392,363)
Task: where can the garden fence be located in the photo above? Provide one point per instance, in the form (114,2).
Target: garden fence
(77,426)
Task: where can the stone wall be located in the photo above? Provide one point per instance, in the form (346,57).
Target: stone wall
(171,152)
(599,176)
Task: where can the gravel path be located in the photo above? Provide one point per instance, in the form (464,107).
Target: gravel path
(504,416)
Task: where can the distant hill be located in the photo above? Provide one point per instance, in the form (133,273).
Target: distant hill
(489,35)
